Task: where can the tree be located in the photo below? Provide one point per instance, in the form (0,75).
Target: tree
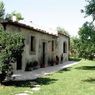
(2,11)
(11,45)
(87,41)
(16,14)
(74,47)
(90,8)
(9,16)
(62,30)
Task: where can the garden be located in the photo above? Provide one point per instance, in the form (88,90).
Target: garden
(76,80)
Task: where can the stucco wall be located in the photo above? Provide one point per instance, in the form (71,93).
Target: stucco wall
(61,40)
(39,39)
(28,56)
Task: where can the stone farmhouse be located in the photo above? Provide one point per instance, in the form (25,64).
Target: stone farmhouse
(42,48)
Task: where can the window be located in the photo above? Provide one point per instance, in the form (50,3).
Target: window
(32,44)
(52,45)
(64,47)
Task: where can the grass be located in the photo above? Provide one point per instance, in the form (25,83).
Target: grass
(75,80)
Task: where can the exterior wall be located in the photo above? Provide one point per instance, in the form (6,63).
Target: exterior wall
(40,38)
(12,28)
(29,56)
(61,40)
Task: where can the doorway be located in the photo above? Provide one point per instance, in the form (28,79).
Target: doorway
(19,62)
(43,54)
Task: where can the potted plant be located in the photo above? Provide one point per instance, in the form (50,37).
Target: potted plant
(57,60)
(29,66)
(35,65)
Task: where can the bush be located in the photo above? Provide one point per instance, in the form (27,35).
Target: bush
(57,60)
(51,62)
(35,63)
(11,45)
(74,59)
(31,65)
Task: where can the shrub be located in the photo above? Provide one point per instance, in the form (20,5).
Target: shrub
(51,62)
(35,64)
(31,65)
(11,44)
(74,59)
(57,60)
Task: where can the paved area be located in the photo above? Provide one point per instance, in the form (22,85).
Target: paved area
(30,75)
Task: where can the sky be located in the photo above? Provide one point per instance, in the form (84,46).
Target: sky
(50,13)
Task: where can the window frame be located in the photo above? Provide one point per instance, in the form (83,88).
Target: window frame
(52,45)
(64,47)
(32,44)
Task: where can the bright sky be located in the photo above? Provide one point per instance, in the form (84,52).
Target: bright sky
(50,13)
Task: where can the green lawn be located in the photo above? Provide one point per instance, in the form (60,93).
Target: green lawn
(75,80)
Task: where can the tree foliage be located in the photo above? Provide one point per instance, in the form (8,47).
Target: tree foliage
(16,14)
(90,8)
(9,16)
(84,45)
(62,30)
(74,47)
(2,11)
(11,45)
(87,41)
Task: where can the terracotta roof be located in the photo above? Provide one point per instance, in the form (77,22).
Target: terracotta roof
(28,26)
(34,27)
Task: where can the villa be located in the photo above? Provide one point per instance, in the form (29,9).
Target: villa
(42,47)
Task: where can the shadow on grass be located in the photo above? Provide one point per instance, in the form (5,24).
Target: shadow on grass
(65,69)
(30,83)
(86,68)
(44,81)
(90,80)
